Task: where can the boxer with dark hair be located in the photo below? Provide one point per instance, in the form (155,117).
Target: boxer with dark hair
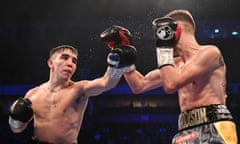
(58,105)
(197,72)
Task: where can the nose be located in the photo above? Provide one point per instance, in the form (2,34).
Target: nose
(70,63)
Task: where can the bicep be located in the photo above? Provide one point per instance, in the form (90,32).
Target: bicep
(97,86)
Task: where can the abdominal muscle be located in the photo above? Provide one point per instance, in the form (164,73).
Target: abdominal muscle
(56,131)
(58,125)
(205,90)
(190,98)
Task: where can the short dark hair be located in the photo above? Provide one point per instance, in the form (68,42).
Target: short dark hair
(62,48)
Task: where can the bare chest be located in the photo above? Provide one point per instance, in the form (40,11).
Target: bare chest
(57,104)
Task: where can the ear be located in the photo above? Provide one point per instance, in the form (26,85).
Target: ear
(50,63)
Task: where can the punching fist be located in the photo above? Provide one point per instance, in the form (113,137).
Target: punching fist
(166,33)
(122,56)
(116,35)
(121,59)
(20,112)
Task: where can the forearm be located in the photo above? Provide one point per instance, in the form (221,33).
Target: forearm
(134,80)
(140,83)
(102,84)
(167,33)
(114,73)
(169,79)
(112,77)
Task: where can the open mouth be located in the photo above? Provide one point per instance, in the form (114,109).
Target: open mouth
(67,71)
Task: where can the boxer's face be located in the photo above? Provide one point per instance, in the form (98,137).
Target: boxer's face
(63,63)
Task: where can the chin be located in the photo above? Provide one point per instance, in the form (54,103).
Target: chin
(66,77)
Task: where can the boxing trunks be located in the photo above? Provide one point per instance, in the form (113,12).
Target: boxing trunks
(211,124)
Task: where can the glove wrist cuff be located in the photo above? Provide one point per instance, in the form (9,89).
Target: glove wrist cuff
(129,68)
(15,123)
(115,73)
(164,56)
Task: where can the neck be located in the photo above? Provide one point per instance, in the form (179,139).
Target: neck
(188,46)
(56,83)
(57,86)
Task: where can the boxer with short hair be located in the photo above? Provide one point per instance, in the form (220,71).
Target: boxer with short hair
(58,105)
(197,72)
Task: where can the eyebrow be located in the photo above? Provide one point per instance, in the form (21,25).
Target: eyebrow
(64,54)
(67,55)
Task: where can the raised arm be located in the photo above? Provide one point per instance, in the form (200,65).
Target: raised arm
(197,61)
(121,58)
(102,84)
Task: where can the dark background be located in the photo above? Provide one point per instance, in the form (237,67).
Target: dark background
(29,29)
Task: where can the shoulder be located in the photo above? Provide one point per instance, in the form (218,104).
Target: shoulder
(79,89)
(210,49)
(35,90)
(80,85)
(32,91)
(211,55)
(208,53)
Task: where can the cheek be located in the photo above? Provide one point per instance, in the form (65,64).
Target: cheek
(73,67)
(57,65)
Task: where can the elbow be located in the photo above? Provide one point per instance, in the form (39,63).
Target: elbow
(170,88)
(169,91)
(138,90)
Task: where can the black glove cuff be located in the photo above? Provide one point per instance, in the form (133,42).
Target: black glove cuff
(165,65)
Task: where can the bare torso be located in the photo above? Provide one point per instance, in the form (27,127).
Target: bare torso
(205,90)
(58,115)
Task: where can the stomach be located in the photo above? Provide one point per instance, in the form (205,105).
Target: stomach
(57,131)
(189,100)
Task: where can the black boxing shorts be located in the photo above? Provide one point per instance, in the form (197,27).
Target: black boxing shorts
(208,124)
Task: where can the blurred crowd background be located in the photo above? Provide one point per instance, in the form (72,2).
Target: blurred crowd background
(29,29)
